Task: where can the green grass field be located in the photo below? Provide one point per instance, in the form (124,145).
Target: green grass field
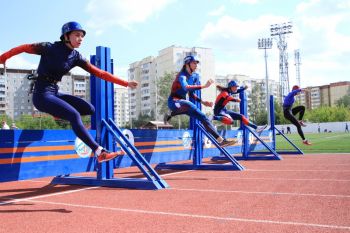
(321,142)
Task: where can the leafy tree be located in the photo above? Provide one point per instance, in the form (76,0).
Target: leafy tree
(257,106)
(142,120)
(62,124)
(42,122)
(180,122)
(279,118)
(164,86)
(261,117)
(345,100)
(328,114)
(5,117)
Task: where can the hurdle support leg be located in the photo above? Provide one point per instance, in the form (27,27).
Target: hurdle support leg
(197,163)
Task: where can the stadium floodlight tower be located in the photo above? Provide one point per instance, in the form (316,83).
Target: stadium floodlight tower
(266,43)
(280,31)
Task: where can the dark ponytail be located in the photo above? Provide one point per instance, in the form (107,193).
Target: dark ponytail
(221,88)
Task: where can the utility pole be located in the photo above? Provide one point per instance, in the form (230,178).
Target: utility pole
(266,43)
(297,65)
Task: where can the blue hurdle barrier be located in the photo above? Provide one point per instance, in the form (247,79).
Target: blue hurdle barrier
(107,133)
(198,153)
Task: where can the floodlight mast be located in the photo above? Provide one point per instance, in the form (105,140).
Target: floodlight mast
(280,31)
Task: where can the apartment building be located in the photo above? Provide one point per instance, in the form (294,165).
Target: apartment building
(121,106)
(15,99)
(325,95)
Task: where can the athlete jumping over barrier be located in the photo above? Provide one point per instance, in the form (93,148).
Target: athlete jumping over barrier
(57,59)
(186,82)
(222,114)
(289,112)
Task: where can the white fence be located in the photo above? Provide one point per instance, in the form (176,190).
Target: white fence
(338,127)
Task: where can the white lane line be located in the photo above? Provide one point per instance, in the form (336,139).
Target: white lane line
(208,217)
(175,173)
(264,193)
(45,195)
(259,178)
(263,170)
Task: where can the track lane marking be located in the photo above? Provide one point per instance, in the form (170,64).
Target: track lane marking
(197,215)
(260,192)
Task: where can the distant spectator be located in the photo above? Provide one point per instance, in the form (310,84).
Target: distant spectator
(288,130)
(282,129)
(5,125)
(319,128)
(346,128)
(13,126)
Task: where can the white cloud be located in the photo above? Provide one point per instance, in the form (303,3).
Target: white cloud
(20,61)
(218,11)
(251,2)
(234,42)
(109,13)
(320,32)
(232,33)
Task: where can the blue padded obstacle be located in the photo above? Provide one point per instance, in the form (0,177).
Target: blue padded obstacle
(197,143)
(248,152)
(274,129)
(106,133)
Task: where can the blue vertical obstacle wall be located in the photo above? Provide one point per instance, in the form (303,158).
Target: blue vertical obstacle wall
(274,129)
(198,152)
(253,141)
(256,146)
(107,133)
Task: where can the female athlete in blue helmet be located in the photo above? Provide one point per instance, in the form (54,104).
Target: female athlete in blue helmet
(56,60)
(186,82)
(222,114)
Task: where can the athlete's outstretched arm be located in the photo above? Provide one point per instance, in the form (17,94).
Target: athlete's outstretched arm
(186,87)
(108,76)
(26,48)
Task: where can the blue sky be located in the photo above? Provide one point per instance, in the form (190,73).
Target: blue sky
(135,29)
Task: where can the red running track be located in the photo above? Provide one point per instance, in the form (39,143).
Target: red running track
(309,193)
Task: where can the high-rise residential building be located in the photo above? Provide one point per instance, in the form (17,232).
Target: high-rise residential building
(15,99)
(325,95)
(255,87)
(150,70)
(121,106)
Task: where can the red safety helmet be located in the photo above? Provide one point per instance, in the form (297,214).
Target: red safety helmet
(295,87)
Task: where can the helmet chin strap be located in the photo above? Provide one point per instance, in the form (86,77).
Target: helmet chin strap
(67,41)
(189,67)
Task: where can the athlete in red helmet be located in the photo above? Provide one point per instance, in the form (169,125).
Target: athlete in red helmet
(289,112)
(222,114)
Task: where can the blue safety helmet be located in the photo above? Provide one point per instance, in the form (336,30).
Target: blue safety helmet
(71,26)
(190,58)
(232,83)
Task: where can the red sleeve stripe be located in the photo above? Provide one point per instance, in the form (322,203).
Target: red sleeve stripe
(105,75)
(26,48)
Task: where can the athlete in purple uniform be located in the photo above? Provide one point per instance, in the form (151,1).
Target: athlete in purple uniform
(289,112)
